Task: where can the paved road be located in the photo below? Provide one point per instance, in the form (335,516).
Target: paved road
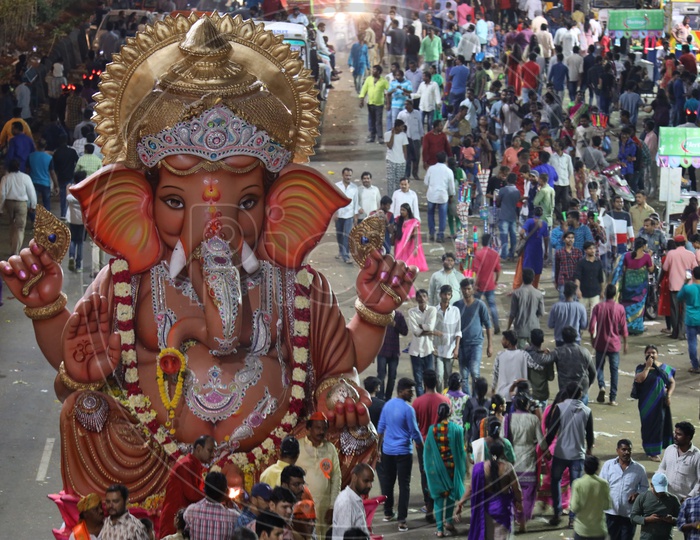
(30,445)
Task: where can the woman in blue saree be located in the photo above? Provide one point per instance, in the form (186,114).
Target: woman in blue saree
(495,491)
(632,275)
(445,462)
(654,384)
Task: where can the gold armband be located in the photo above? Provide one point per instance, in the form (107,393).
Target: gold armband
(372,317)
(47,312)
(75,385)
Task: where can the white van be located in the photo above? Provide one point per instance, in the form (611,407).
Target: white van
(295,35)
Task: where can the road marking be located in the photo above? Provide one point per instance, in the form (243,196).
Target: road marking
(45,458)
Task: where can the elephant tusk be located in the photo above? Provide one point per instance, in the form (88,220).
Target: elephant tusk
(178,260)
(249,261)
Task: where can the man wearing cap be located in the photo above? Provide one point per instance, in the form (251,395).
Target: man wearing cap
(185,485)
(319,459)
(91,518)
(349,511)
(681,462)
(304,520)
(259,501)
(656,510)
(289,453)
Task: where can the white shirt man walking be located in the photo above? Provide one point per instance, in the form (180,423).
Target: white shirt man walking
(447,336)
(441,188)
(421,325)
(349,510)
(346,217)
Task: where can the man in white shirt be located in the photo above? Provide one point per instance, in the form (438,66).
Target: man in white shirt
(565,174)
(469,44)
(510,365)
(596,29)
(414,130)
(441,188)
(430,99)
(396,142)
(575,64)
(368,197)
(681,463)
(18,197)
(545,41)
(448,335)
(421,325)
(298,17)
(349,510)
(446,276)
(346,217)
(404,195)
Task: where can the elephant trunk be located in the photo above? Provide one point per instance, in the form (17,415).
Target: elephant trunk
(221,297)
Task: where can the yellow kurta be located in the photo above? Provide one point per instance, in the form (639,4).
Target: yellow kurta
(271,475)
(322,478)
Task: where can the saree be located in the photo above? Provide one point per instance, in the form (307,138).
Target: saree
(633,277)
(409,248)
(488,509)
(657,424)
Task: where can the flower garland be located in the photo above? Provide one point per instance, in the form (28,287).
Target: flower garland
(140,405)
(173,367)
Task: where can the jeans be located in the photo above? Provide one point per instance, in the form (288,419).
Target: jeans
(420,365)
(604,104)
(506,229)
(442,219)
(412,159)
(620,527)
(456,99)
(391,116)
(359,79)
(397,466)
(427,118)
(490,297)
(427,499)
(375,121)
(392,362)
(469,363)
(677,316)
(692,333)
(43,195)
(559,465)
(573,86)
(562,196)
(342,232)
(614,361)
(75,251)
(443,368)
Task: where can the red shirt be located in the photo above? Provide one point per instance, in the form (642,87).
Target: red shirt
(432,144)
(486,262)
(689,63)
(185,486)
(530,73)
(426,407)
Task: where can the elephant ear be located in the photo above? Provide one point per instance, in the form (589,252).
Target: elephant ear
(299,206)
(117,205)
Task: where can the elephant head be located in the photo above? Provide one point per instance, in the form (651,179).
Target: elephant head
(213,223)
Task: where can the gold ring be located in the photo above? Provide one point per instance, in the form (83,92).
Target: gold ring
(391,293)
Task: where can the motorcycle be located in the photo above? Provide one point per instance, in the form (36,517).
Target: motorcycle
(612,183)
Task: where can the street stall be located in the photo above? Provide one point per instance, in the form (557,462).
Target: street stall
(678,147)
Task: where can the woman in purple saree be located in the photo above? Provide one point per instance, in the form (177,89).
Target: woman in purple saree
(495,491)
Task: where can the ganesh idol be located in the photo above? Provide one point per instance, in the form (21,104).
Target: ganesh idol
(206,320)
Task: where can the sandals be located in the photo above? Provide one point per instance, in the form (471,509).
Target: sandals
(655,459)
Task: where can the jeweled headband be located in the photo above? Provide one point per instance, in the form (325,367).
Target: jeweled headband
(214,135)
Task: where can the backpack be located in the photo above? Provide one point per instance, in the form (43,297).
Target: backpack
(477,412)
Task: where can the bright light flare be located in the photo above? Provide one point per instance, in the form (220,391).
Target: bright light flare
(233,493)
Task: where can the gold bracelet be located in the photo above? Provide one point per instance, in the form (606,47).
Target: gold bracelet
(75,385)
(47,312)
(372,317)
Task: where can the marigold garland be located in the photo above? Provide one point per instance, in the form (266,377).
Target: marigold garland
(140,405)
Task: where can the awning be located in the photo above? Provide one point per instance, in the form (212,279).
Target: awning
(636,23)
(679,147)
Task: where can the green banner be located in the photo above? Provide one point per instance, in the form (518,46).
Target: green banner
(679,142)
(630,20)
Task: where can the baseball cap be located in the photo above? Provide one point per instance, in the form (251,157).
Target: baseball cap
(660,482)
(262,490)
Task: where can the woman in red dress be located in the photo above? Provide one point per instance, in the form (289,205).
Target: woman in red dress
(513,62)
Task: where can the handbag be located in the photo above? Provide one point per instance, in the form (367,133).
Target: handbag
(520,246)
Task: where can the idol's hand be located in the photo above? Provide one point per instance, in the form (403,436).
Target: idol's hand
(30,262)
(383,284)
(91,351)
(348,413)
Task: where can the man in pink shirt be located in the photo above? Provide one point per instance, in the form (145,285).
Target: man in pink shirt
(679,264)
(608,325)
(487,268)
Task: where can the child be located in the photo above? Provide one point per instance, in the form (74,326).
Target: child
(77,229)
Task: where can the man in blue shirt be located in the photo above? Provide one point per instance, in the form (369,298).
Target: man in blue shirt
(42,174)
(546,168)
(582,233)
(398,430)
(627,155)
(459,75)
(474,317)
(558,76)
(19,147)
(399,90)
(628,480)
